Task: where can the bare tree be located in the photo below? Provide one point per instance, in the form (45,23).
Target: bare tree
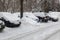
(7,5)
(2,5)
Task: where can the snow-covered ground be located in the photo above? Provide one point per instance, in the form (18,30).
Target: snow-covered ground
(28,31)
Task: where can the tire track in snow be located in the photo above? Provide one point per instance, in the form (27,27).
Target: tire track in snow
(29,33)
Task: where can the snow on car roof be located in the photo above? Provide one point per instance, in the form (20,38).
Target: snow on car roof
(30,15)
(9,16)
(54,14)
(41,14)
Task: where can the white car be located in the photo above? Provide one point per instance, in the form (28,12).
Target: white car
(10,19)
(30,15)
(30,18)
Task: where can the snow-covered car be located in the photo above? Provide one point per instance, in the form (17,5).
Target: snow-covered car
(42,17)
(54,16)
(45,17)
(30,18)
(30,15)
(10,19)
(2,26)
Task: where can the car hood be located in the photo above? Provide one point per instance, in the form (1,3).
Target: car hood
(13,18)
(30,15)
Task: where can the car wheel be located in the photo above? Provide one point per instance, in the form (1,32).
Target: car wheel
(2,27)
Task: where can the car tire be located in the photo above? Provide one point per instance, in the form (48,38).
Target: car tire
(2,27)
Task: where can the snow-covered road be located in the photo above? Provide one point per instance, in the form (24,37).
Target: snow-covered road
(30,32)
(43,34)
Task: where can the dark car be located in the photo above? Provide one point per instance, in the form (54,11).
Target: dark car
(10,20)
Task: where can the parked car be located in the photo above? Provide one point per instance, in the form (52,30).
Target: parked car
(10,19)
(28,17)
(53,16)
(42,17)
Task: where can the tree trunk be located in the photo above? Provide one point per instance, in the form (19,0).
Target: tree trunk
(21,8)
